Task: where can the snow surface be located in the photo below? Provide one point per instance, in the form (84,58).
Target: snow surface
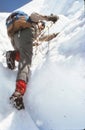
(55,96)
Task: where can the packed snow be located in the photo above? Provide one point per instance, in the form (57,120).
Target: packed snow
(55,96)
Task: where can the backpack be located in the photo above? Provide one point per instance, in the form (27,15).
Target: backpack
(16,21)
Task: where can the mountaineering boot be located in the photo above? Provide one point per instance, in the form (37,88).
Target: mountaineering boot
(17,97)
(10,59)
(11,56)
(17,100)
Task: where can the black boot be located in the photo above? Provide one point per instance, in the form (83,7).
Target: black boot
(17,100)
(10,59)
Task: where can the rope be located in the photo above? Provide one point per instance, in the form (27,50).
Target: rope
(48,43)
(37,42)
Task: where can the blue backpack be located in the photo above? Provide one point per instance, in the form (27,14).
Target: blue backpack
(17,20)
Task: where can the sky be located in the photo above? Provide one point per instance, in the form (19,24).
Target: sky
(55,95)
(11,5)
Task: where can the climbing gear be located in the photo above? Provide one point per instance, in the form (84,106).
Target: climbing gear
(17,100)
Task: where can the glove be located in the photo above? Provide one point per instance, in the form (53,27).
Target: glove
(55,34)
(53,18)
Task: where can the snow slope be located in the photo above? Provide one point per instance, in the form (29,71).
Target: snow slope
(55,97)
